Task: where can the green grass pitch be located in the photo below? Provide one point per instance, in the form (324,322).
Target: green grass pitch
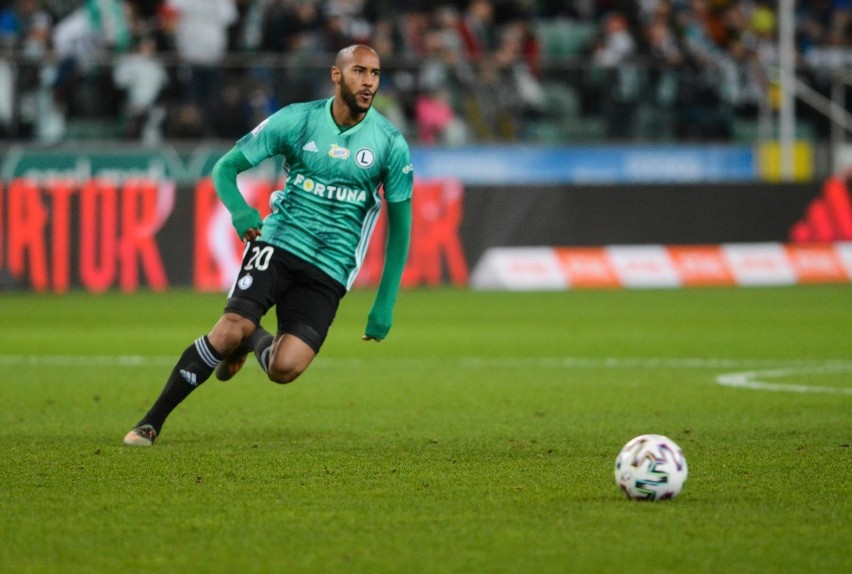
(479,437)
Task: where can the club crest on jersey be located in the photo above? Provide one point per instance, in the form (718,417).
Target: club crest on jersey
(338,152)
(364,158)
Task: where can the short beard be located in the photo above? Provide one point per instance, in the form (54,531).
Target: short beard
(350,99)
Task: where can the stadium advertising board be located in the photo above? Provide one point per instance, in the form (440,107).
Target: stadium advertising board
(524,165)
(128,219)
(101,234)
(659,266)
(472,165)
(82,164)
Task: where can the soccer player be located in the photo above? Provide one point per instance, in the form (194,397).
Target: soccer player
(305,255)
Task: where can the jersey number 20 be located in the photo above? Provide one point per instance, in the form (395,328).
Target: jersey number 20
(259,258)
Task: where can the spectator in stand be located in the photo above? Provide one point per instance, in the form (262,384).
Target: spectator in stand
(332,36)
(727,49)
(477,29)
(706,80)
(827,58)
(443,78)
(395,81)
(247,34)
(444,66)
(491,108)
(437,121)
(660,90)
(412,29)
(27,28)
(748,82)
(164,25)
(525,92)
(615,75)
(507,91)
(142,76)
(290,24)
(201,40)
(295,29)
(649,10)
(663,45)
(8,39)
(617,44)
(82,39)
(530,46)
(447,19)
(829,43)
(353,23)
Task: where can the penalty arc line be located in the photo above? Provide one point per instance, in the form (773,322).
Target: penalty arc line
(756,380)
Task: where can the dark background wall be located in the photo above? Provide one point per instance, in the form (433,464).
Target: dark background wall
(626,215)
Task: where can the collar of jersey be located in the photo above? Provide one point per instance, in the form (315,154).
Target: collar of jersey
(340,130)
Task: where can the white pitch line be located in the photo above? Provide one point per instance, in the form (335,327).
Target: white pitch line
(465,362)
(84,361)
(758,368)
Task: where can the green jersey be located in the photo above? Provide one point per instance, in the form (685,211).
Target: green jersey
(330,203)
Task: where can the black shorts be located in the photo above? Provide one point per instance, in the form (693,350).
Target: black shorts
(305,298)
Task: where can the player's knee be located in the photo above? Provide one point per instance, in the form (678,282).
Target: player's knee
(284,372)
(228,331)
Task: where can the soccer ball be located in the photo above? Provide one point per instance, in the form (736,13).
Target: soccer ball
(650,467)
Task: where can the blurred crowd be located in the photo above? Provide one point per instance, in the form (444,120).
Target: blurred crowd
(454,72)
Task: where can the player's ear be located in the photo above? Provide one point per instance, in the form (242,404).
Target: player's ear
(335,74)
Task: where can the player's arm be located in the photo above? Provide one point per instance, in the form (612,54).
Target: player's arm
(396,251)
(245,219)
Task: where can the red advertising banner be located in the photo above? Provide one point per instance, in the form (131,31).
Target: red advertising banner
(100,234)
(114,231)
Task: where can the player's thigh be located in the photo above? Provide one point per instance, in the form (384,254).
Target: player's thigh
(309,307)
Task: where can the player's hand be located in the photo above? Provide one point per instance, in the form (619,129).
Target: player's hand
(252,234)
(378,324)
(247,223)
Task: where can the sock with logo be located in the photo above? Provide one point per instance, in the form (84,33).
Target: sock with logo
(193,368)
(261,341)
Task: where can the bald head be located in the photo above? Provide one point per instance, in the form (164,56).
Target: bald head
(350,53)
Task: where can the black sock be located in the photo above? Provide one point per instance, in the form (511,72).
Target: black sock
(261,341)
(193,368)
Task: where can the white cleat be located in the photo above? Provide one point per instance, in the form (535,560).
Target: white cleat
(143,435)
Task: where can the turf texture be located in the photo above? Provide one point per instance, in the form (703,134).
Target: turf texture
(479,437)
